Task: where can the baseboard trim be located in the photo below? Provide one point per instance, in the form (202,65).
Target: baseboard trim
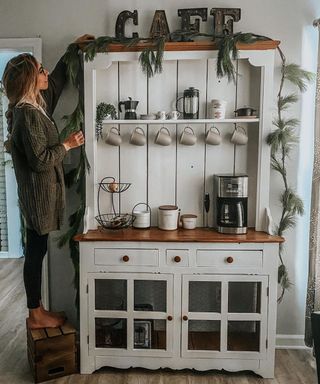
(290,342)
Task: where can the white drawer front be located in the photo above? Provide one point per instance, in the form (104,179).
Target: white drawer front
(126,257)
(177,257)
(228,259)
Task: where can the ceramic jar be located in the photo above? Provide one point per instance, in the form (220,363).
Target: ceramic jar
(168,217)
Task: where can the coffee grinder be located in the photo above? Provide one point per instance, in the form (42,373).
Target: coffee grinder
(231,203)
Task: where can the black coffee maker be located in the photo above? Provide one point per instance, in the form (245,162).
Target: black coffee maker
(231,203)
(130,107)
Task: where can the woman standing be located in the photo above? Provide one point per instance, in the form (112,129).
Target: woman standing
(37,155)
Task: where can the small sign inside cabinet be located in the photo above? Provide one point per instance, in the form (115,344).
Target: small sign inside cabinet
(142,334)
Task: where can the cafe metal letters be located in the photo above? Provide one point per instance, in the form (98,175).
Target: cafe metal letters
(223,19)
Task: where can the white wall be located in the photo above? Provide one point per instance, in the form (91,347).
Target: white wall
(59,22)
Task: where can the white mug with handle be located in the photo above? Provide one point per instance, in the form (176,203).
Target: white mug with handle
(113,137)
(239,136)
(213,136)
(138,137)
(163,137)
(188,137)
(174,115)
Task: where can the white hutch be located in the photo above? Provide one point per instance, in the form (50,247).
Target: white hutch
(185,298)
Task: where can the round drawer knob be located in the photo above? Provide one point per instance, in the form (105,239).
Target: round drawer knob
(229,259)
(177,259)
(185,318)
(170,318)
(125,258)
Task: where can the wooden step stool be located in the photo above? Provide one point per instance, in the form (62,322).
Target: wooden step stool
(52,352)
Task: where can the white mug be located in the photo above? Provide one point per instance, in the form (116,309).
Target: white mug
(188,138)
(113,136)
(239,136)
(163,137)
(218,108)
(162,115)
(213,136)
(174,115)
(138,137)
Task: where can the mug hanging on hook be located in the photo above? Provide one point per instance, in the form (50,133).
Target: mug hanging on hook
(213,136)
(239,136)
(188,137)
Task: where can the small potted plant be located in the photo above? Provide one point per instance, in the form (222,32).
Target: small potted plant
(104,111)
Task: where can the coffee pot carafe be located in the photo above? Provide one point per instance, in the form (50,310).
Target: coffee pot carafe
(130,107)
(190,103)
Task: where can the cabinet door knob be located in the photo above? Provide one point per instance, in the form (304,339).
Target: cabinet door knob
(170,318)
(177,259)
(125,258)
(185,317)
(229,259)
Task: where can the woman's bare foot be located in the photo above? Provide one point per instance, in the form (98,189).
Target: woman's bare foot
(58,315)
(39,319)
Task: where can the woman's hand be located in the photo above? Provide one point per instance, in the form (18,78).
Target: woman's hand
(75,140)
(84,39)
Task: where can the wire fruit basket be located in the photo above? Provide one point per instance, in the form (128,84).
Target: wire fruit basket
(114,220)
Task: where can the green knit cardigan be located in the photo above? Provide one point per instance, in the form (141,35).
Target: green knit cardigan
(37,156)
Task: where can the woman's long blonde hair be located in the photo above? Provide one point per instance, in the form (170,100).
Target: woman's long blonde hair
(19,80)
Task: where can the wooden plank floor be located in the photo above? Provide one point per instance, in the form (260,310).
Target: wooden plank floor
(292,366)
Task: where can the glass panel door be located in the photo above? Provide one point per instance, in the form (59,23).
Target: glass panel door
(201,314)
(110,302)
(247,305)
(130,312)
(111,333)
(223,315)
(153,314)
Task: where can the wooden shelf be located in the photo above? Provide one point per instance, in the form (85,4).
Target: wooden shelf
(182,121)
(198,235)
(200,45)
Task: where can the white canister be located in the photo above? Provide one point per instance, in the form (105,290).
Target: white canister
(189,221)
(218,108)
(141,219)
(168,217)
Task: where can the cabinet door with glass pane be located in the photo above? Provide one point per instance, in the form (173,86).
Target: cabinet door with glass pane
(130,314)
(224,316)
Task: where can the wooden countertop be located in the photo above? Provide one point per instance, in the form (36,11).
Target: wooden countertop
(198,235)
(199,45)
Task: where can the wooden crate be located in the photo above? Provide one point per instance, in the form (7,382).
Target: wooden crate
(52,352)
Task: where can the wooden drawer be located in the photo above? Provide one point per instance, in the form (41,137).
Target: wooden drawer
(177,257)
(229,259)
(125,257)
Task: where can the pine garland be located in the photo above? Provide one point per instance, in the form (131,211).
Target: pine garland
(281,140)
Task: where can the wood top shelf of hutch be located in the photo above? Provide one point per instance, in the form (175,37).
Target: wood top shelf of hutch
(198,235)
(204,45)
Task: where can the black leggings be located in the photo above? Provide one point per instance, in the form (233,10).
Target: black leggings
(36,248)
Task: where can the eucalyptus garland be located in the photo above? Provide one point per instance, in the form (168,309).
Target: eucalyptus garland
(281,139)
